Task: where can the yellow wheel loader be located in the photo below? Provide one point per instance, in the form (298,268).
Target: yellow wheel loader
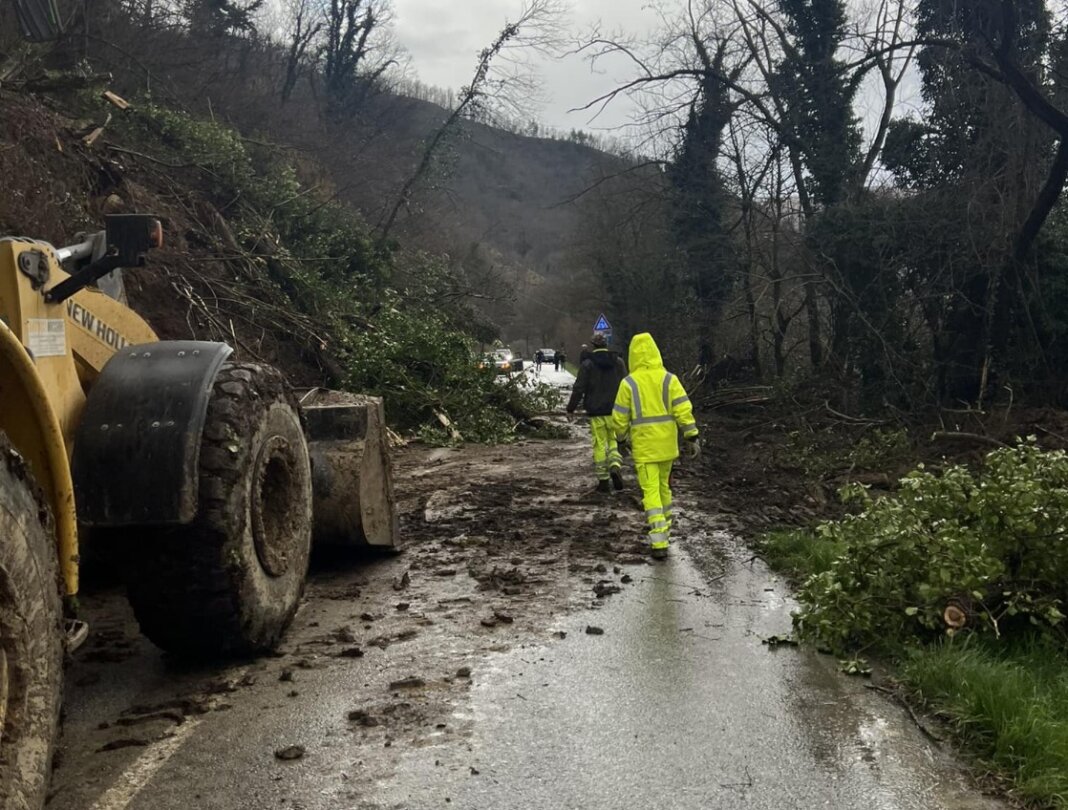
(206,469)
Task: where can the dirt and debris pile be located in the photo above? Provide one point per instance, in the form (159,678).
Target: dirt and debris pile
(260,254)
(58,187)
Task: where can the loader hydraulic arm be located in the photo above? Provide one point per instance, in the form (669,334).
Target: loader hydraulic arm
(127,239)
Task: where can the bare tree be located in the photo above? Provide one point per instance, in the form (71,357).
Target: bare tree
(892,60)
(535,29)
(356,52)
(304,24)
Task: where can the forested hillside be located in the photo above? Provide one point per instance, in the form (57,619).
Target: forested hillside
(844,224)
(792,218)
(317,217)
(818,217)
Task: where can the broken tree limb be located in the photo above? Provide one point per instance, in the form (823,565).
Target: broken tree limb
(57,82)
(976,438)
(908,708)
(166,164)
(448,425)
(856,420)
(116,100)
(95,134)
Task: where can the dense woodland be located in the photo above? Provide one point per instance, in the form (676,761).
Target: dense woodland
(805,219)
(307,203)
(864,194)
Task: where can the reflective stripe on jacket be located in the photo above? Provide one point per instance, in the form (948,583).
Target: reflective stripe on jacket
(652,404)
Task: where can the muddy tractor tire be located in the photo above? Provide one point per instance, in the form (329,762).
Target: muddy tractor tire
(229,582)
(31,637)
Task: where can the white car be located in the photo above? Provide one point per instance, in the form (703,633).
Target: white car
(503,360)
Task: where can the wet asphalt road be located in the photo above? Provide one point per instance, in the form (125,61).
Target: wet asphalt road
(680,705)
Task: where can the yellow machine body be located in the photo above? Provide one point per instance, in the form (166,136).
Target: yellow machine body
(49,356)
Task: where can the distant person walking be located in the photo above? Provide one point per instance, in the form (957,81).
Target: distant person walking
(539,358)
(556,360)
(599,378)
(563,359)
(652,406)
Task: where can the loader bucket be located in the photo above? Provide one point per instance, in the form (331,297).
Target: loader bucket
(352,479)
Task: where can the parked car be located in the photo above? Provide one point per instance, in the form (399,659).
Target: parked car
(504,360)
(547,355)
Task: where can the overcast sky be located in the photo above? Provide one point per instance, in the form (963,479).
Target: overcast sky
(445,36)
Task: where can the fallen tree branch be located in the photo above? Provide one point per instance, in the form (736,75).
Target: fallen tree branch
(856,420)
(908,708)
(122,150)
(977,438)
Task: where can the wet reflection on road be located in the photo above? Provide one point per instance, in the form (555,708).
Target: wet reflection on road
(680,705)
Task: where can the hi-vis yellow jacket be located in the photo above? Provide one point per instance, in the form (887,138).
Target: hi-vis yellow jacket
(652,404)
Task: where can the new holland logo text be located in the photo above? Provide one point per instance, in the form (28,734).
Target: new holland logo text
(92,324)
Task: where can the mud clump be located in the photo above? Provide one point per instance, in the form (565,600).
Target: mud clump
(290,753)
(363,718)
(411,682)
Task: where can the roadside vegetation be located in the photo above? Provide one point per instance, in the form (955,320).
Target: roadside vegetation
(960,576)
(379,321)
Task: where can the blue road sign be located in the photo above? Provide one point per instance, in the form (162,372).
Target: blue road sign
(602,324)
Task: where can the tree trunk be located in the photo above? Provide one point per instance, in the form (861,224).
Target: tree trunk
(754,326)
(812,311)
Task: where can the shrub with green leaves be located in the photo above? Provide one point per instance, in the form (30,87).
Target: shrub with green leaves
(394,322)
(422,367)
(818,454)
(994,540)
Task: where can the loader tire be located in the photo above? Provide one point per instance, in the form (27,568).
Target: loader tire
(31,637)
(229,582)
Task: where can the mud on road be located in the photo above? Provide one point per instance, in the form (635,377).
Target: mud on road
(520,653)
(498,543)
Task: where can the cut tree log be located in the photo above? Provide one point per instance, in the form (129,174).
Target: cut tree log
(976,438)
(448,425)
(116,100)
(95,134)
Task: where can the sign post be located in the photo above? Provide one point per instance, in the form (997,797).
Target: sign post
(603,327)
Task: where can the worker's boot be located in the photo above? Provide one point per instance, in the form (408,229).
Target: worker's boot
(659,552)
(617,479)
(602,485)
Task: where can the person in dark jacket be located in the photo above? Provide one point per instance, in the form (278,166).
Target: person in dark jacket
(598,381)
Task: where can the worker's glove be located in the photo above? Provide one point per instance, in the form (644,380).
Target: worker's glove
(623,445)
(693,447)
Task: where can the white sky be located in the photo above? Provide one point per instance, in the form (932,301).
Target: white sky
(445,36)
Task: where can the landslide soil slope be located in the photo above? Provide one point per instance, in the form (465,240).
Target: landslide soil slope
(56,187)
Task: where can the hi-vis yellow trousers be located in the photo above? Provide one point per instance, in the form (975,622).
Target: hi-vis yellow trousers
(606,455)
(655,481)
